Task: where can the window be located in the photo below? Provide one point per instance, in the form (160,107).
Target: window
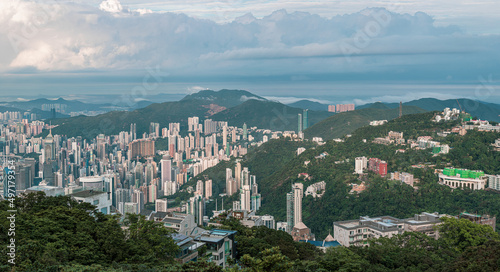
(351,232)
(365,230)
(96,202)
(351,239)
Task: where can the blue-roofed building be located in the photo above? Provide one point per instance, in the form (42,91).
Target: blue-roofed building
(220,244)
(188,248)
(323,245)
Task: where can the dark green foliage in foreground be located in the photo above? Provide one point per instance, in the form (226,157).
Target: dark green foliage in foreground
(59,234)
(55,231)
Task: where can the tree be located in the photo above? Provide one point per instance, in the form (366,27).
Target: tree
(149,241)
(271,260)
(462,233)
(341,259)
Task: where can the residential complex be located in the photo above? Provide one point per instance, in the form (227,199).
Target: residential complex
(357,232)
(463,178)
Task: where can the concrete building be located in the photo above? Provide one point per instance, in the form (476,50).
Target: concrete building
(99,199)
(220,245)
(166,169)
(377,166)
(316,189)
(301,232)
(424,223)
(180,223)
(161,205)
(463,178)
(294,206)
(245,198)
(360,165)
(188,248)
(483,219)
(142,148)
(48,190)
(268,221)
(494,182)
(208,189)
(356,232)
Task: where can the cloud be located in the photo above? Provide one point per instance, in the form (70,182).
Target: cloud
(291,99)
(112,6)
(246,98)
(110,37)
(406,97)
(195,89)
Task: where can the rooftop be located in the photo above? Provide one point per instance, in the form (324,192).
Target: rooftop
(87,193)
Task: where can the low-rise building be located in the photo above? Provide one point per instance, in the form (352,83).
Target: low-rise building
(357,232)
(99,199)
(483,219)
(188,248)
(424,223)
(463,178)
(316,190)
(301,232)
(220,245)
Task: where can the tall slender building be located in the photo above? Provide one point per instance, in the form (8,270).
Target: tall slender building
(133,131)
(256,197)
(245,131)
(305,123)
(245,198)
(208,189)
(245,177)
(294,206)
(224,137)
(166,169)
(197,208)
(300,123)
(237,175)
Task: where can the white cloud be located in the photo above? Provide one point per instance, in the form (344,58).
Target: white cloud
(195,89)
(406,97)
(246,98)
(109,36)
(292,99)
(112,6)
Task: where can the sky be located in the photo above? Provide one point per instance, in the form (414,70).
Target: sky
(331,51)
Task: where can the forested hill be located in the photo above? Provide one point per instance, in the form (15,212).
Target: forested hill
(234,106)
(344,123)
(479,109)
(383,197)
(268,115)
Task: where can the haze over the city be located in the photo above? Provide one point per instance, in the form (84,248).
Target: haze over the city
(326,51)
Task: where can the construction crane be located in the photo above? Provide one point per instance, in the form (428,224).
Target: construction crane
(459,106)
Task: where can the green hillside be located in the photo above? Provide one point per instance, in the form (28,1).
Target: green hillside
(206,104)
(277,166)
(267,114)
(483,110)
(113,122)
(224,98)
(344,123)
